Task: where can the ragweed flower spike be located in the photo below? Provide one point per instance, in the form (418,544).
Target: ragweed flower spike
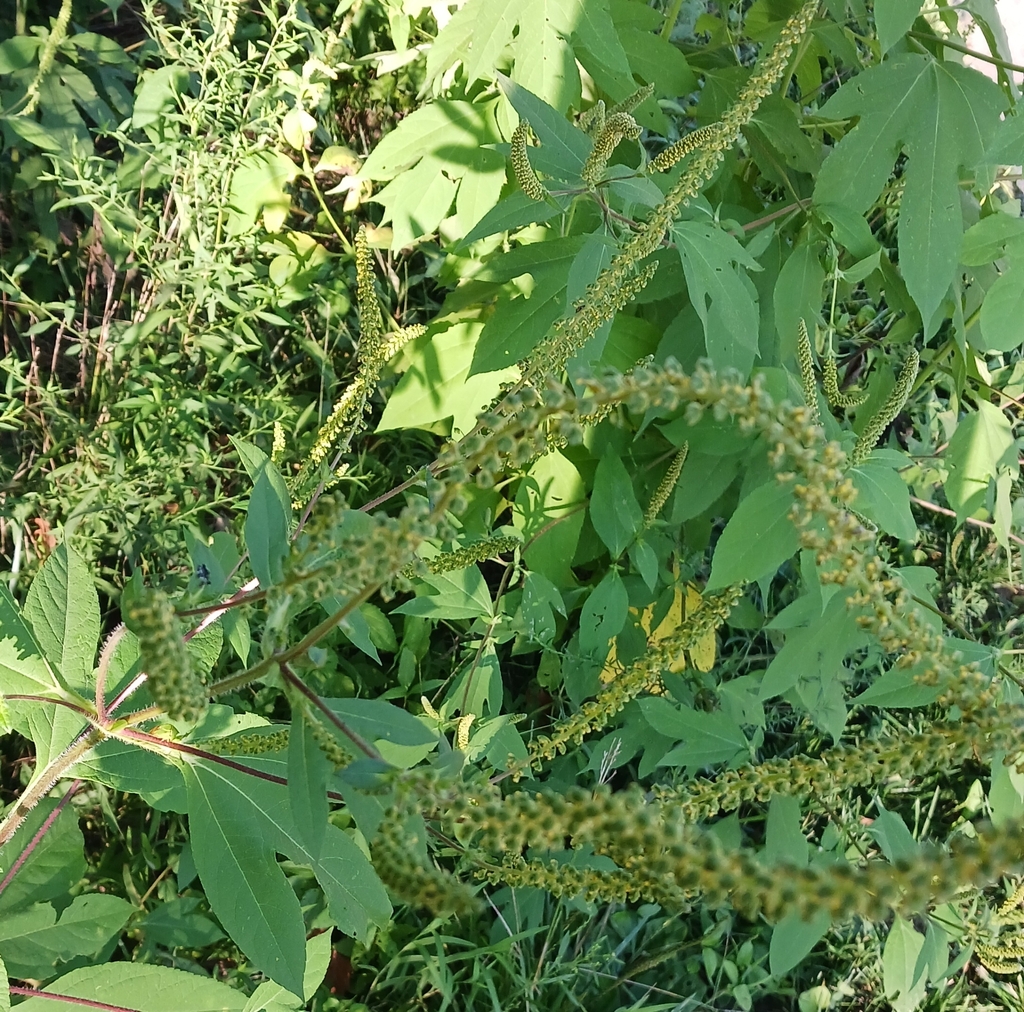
(681,148)
(836,397)
(525,176)
(371,323)
(173,684)
(634,101)
(668,483)
(888,411)
(616,127)
(592,121)
(805,357)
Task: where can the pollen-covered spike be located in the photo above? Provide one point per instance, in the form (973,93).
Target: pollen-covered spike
(592,121)
(173,684)
(682,147)
(371,323)
(525,176)
(836,397)
(805,357)
(634,101)
(620,125)
(888,411)
(668,483)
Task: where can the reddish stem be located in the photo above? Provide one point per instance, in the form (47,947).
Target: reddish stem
(31,992)
(40,833)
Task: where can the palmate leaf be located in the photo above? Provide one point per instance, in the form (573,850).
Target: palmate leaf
(942,115)
(543,59)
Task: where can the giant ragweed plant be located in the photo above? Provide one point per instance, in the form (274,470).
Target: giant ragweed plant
(595,430)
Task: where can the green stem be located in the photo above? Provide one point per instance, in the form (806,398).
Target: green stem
(311,179)
(960,48)
(670,19)
(42,783)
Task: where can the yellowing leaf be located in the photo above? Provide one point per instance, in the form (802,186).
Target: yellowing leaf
(703,654)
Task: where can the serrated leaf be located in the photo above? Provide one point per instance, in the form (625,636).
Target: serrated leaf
(54,865)
(902,978)
(797,295)
(514,211)
(435,130)
(758,538)
(898,688)
(63,609)
(943,115)
(603,615)
(566,145)
(22,666)
(991,238)
(542,60)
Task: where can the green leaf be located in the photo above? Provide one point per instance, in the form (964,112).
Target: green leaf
(55,864)
(446,132)
(942,114)
(731,322)
(798,295)
(814,655)
(565,145)
(982,442)
(33,940)
(5,989)
(355,896)
(177,923)
(897,689)
(785,842)
(792,940)
(22,667)
(1002,312)
(271,997)
(704,478)
(318,958)
(992,238)
(540,601)
(307,783)
(246,888)
(63,608)
(903,979)
(614,509)
(266,532)
(893,18)
(461,593)
(144,987)
(513,212)
(437,385)
(709,737)
(258,186)
(758,538)
(548,513)
(883,497)
(603,615)
(891,833)
(377,721)
(1006,791)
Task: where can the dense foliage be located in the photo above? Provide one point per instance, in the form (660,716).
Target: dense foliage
(510,504)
